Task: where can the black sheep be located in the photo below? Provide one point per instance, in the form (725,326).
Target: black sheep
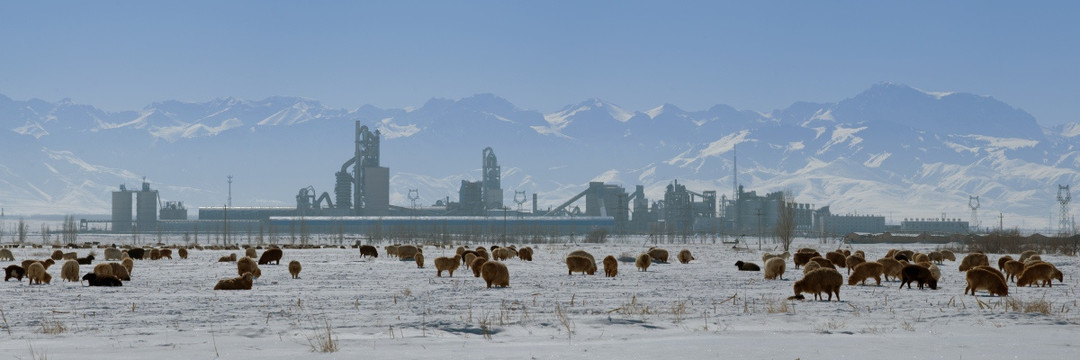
(368,250)
(137,253)
(917,273)
(86,260)
(745,266)
(270,255)
(14,271)
(94,280)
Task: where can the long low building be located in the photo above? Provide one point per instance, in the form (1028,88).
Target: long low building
(533,225)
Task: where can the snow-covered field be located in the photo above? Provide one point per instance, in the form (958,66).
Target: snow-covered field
(383,308)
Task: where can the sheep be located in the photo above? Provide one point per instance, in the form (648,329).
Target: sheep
(865,271)
(477,265)
(391,250)
(860,253)
(294,269)
(611,266)
(807,251)
(419,259)
(1013,269)
(230,258)
(658,254)
(113,254)
(891,267)
(268,256)
(182,252)
(70,271)
(247,265)
(101,280)
(120,272)
(368,250)
(823,262)
(57,255)
(745,266)
(103,269)
(448,264)
(71,256)
(500,254)
(936,257)
(166,254)
(1002,260)
(973,260)
(580,264)
(774,268)
(495,273)
(86,260)
(818,281)
(836,258)
(766,256)
(481,252)
(526,253)
(44,263)
(685,256)
(155,254)
(139,253)
(852,261)
(406,252)
(982,279)
(128,264)
(810,266)
(907,254)
(920,257)
(1026,254)
(801,258)
(238,283)
(1041,273)
(1032,260)
(14,271)
(643,261)
(36,273)
(250,252)
(5,255)
(919,274)
(582,253)
(934,270)
(948,255)
(991,269)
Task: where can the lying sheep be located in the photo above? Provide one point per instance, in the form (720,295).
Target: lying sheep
(419,259)
(852,261)
(71,256)
(982,279)
(70,271)
(230,258)
(368,250)
(890,267)
(113,254)
(918,274)
(103,269)
(973,260)
(580,264)
(611,266)
(658,254)
(1013,269)
(1041,273)
(1002,260)
(684,256)
(36,273)
(268,256)
(120,272)
(495,273)
(774,268)
(801,258)
(247,265)
(406,252)
(448,264)
(294,269)
(836,258)
(5,255)
(57,255)
(745,266)
(101,280)
(865,271)
(819,281)
(128,264)
(526,254)
(250,252)
(643,261)
(477,265)
(14,271)
(582,253)
(238,283)
(1026,254)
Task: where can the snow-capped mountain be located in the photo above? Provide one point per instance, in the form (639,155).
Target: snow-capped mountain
(891,150)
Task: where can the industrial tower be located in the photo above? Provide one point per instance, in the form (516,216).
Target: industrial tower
(491,184)
(1063,198)
(973,203)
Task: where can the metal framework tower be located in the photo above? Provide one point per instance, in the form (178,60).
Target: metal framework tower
(1063,198)
(973,203)
(491,183)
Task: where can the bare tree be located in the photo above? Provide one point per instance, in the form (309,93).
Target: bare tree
(22,229)
(785,220)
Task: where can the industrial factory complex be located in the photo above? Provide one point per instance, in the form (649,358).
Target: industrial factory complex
(360,205)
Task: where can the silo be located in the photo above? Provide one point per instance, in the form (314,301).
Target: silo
(121,211)
(146,208)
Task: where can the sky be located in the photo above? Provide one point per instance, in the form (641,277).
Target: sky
(541,55)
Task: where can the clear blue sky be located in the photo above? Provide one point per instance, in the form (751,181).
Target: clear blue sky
(542,55)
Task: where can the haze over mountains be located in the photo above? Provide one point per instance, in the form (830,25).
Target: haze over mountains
(891,150)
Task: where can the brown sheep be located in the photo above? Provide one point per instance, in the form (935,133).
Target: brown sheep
(580,264)
(14,271)
(684,256)
(247,265)
(501,254)
(120,272)
(1041,273)
(860,253)
(1013,269)
(836,258)
(70,256)
(801,258)
(155,254)
(948,255)
(249,252)
(368,250)
(1032,260)
(238,283)
(103,269)
(57,255)
(406,252)
(495,273)
(891,267)
(611,266)
(906,254)
(182,252)
(129,264)
(70,271)
(865,271)
(294,269)
(582,253)
(526,254)
(991,269)
(819,281)
(468,258)
(460,251)
(391,250)
(643,261)
(419,258)
(918,274)
(745,266)
(477,265)
(774,268)
(973,260)
(920,257)
(1002,260)
(36,273)
(936,257)
(852,261)
(5,255)
(230,258)
(268,256)
(166,254)
(447,263)
(658,254)
(982,279)
(810,266)
(766,256)
(1026,254)
(824,262)
(807,251)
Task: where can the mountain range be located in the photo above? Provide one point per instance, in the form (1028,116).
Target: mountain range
(891,150)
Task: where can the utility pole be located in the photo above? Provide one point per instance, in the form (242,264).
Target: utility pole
(230,190)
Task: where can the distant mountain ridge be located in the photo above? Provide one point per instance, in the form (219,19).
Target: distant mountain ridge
(892,150)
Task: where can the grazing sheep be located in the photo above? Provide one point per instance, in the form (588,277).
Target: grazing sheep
(36,273)
(823,262)
(268,256)
(774,268)
(891,267)
(907,254)
(500,254)
(982,279)
(14,271)
(1013,269)
(230,258)
(57,255)
(166,254)
(865,271)
(936,257)
(448,264)
(155,254)
(684,256)
(580,264)
(495,273)
(919,274)
(526,254)
(5,255)
(611,266)
(836,258)
(819,281)
(113,254)
(44,263)
(658,254)
(934,270)
(920,257)
(250,252)
(247,265)
(182,252)
(419,259)
(745,266)
(477,265)
(852,261)
(1002,260)
(129,264)
(70,271)
(810,266)
(406,252)
(991,269)
(481,252)
(101,280)
(86,260)
(807,251)
(1026,254)
(643,261)
(948,255)
(973,260)
(582,253)
(368,250)
(139,253)
(1041,273)
(801,258)
(120,272)
(1032,260)
(103,269)
(860,253)
(238,283)
(294,269)
(391,250)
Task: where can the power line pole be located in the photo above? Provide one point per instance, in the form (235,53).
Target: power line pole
(230,190)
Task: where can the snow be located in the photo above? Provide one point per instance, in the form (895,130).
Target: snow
(390,130)
(1070,130)
(1004,143)
(714,149)
(843,134)
(875,160)
(654,112)
(384,308)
